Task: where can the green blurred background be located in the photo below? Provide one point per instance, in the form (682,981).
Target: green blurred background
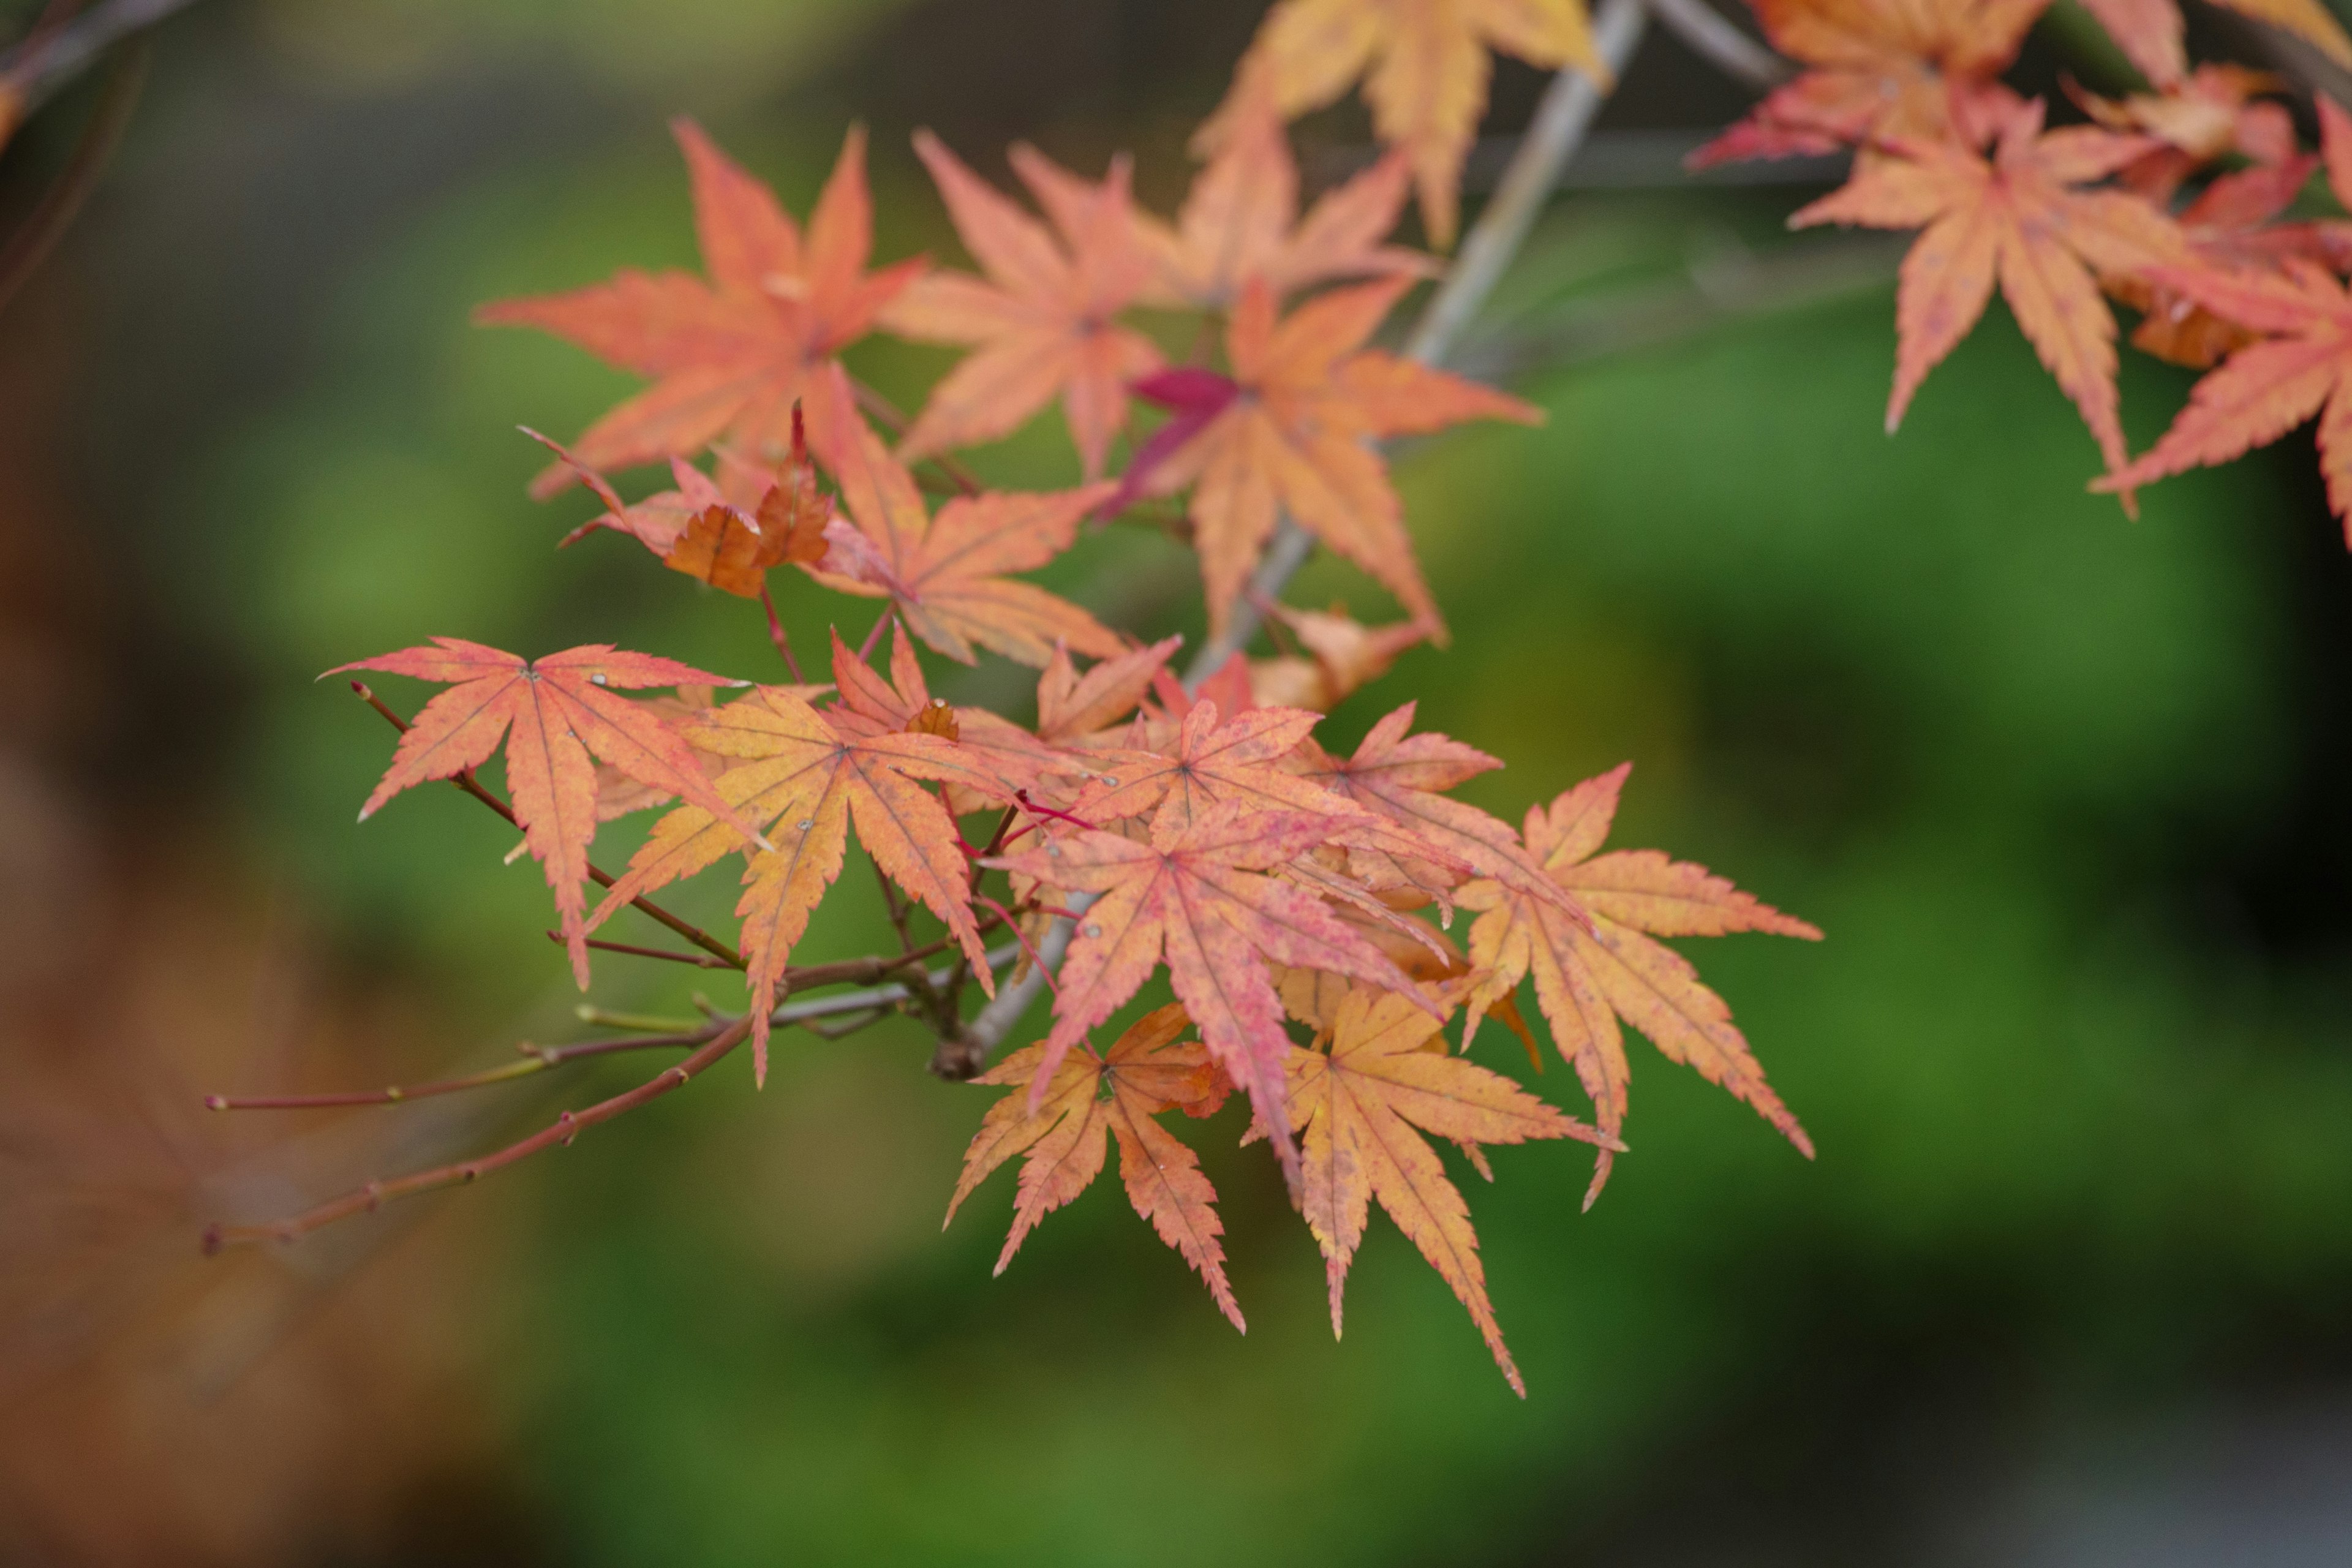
(2068,1284)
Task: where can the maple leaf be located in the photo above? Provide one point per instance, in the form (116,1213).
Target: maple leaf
(2149,31)
(618,794)
(2019,217)
(1424,67)
(806,778)
(1198,893)
(1115,1094)
(1240,221)
(697,530)
(733,354)
(1075,710)
(2269,387)
(1010,757)
(1041,320)
(1357,1108)
(1879,69)
(2212,110)
(945,575)
(1587,977)
(1211,760)
(1403,777)
(1422,951)
(1292,432)
(552,712)
(1338,656)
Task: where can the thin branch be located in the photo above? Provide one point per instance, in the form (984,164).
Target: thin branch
(700,959)
(776,632)
(536,1059)
(54,213)
(561,1131)
(464,780)
(1714,40)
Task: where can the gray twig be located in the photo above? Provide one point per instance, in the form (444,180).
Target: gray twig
(1721,44)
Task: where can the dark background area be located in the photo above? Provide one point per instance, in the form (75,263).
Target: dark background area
(2067,1285)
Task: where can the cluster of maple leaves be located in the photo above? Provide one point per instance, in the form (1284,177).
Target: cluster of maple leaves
(2186,203)
(1299,903)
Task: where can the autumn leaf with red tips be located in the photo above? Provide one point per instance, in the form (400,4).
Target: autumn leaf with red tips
(1424,64)
(732,353)
(1360,1110)
(1589,975)
(551,712)
(1292,433)
(2020,218)
(1041,321)
(1115,1095)
(1197,895)
(807,779)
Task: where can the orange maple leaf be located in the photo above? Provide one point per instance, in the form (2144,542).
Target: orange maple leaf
(1590,977)
(2270,386)
(947,575)
(1240,221)
(1424,69)
(1199,893)
(697,530)
(730,355)
(1041,322)
(1115,1094)
(1077,710)
(551,712)
(2020,218)
(1357,1108)
(1010,756)
(1291,433)
(806,778)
